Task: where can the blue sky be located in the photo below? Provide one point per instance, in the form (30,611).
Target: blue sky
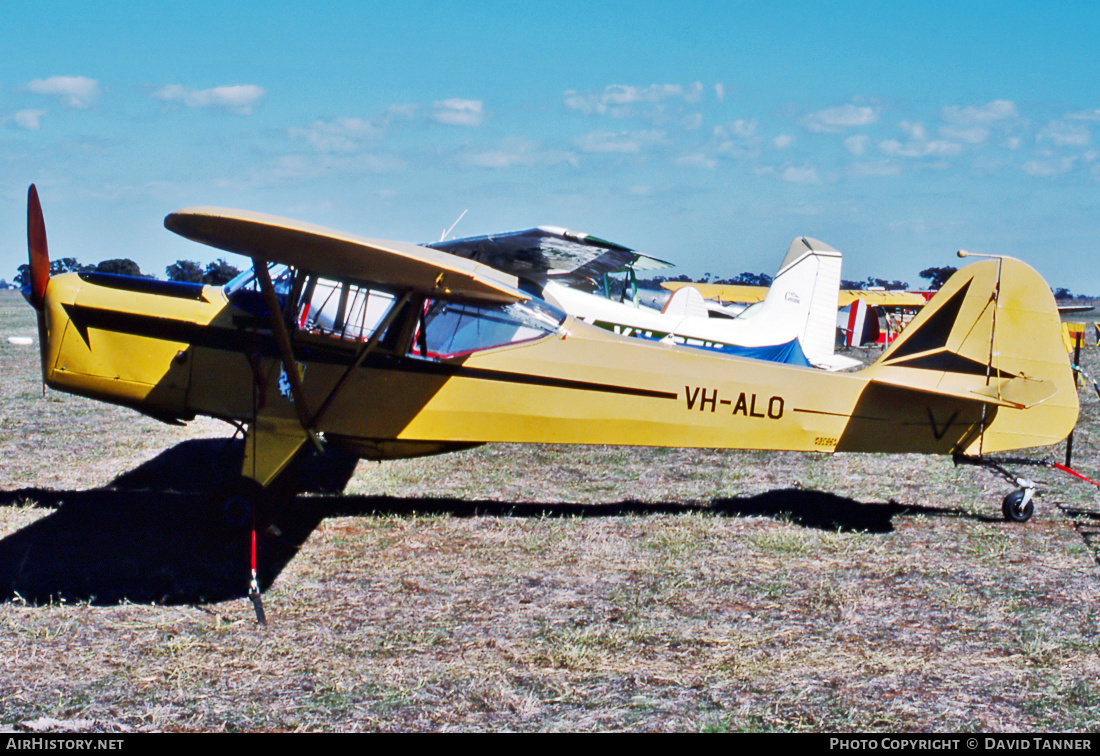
(708,134)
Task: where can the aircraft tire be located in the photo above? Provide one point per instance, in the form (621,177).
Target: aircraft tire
(1014,507)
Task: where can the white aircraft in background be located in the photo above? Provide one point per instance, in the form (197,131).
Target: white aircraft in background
(794,323)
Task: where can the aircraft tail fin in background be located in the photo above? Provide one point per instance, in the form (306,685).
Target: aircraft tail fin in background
(859,323)
(686,302)
(803,298)
(992,334)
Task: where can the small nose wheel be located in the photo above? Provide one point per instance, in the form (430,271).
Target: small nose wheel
(1018,505)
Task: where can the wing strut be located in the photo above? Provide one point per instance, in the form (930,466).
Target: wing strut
(364,351)
(282,338)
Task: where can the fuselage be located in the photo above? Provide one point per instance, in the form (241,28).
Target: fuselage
(451,374)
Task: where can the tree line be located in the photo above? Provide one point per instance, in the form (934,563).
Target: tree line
(220,272)
(214,273)
(935,277)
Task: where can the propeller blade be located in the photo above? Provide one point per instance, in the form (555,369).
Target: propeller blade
(37,250)
(39,255)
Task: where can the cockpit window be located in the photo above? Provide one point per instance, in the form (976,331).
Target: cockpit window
(244,292)
(241,279)
(354,311)
(450,328)
(323,306)
(342,309)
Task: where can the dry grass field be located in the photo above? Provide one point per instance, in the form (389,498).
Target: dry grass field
(533,588)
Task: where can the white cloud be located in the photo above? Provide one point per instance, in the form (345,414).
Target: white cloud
(874,168)
(404,111)
(720,91)
(350,134)
(736,139)
(979,114)
(804,174)
(937,148)
(857,145)
(914,226)
(692,122)
(29,119)
(803,209)
(294,168)
(623,141)
(969,134)
(616,99)
(517,151)
(834,120)
(1065,134)
(1086,115)
(238,98)
(338,135)
(1046,168)
(741,129)
(918,145)
(783,141)
(744,128)
(73,91)
(697,160)
(915,131)
(458,112)
(499,159)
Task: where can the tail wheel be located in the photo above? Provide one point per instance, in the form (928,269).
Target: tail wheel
(1018,505)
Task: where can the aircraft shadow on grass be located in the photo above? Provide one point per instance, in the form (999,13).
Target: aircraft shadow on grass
(161,533)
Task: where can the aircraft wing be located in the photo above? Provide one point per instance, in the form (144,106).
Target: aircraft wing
(341,256)
(883,298)
(722,292)
(549,252)
(749,294)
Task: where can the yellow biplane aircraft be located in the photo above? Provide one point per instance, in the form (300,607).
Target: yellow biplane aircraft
(386,349)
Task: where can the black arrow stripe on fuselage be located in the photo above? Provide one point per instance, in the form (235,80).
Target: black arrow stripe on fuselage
(242,341)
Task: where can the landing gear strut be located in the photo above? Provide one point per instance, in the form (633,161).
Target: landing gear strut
(244,507)
(254,586)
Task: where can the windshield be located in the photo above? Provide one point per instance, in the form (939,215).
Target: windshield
(453,328)
(244,290)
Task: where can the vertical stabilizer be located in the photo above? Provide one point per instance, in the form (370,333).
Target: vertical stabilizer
(991,335)
(803,300)
(686,303)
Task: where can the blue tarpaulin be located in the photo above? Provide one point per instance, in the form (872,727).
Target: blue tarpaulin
(791,353)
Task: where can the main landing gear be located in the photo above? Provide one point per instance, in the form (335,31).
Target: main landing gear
(1019,505)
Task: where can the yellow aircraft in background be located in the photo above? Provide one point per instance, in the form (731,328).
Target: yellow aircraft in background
(386,349)
(748,294)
